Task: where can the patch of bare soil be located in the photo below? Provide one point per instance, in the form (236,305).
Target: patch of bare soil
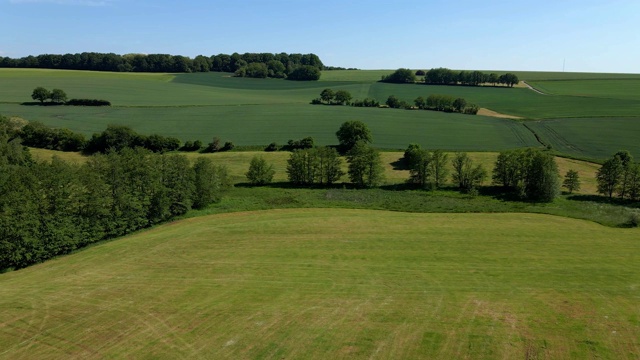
(487,112)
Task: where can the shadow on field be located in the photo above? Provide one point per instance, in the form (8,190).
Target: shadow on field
(38,103)
(605,200)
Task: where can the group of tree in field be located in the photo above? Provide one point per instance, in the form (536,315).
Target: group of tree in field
(260,65)
(59,97)
(52,208)
(528,173)
(620,175)
(331,97)
(433,102)
(444,76)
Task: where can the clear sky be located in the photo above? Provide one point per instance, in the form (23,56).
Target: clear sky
(586,35)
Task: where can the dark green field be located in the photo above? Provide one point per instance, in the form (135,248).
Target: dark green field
(261,111)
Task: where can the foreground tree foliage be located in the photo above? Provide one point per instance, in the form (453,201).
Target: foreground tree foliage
(530,173)
(51,208)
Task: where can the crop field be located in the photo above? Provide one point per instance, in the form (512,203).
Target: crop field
(590,137)
(356,284)
(261,111)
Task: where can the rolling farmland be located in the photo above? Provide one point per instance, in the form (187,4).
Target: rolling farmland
(260,111)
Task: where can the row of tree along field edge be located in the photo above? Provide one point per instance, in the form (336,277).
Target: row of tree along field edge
(260,65)
(444,76)
(435,102)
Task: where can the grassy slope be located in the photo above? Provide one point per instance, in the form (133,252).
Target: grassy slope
(354,284)
(259,111)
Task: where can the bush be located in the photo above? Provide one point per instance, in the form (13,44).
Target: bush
(227,146)
(271,147)
(87,102)
(316,101)
(214,145)
(634,219)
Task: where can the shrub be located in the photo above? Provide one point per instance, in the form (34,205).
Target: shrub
(260,173)
(88,102)
(272,147)
(316,101)
(227,146)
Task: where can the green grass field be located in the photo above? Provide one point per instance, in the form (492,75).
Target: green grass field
(261,111)
(355,284)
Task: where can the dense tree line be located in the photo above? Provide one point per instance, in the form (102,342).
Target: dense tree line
(248,64)
(529,173)
(620,175)
(52,208)
(444,76)
(330,97)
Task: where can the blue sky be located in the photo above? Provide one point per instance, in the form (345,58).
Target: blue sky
(589,36)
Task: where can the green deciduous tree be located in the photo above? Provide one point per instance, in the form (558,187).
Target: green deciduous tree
(351,132)
(571,181)
(365,165)
(465,175)
(608,176)
(342,97)
(40,94)
(210,182)
(260,173)
(400,76)
(420,171)
(327,95)
(439,168)
(58,96)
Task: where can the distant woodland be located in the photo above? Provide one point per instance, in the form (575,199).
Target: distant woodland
(259,65)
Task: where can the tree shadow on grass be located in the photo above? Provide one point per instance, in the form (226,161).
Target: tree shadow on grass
(38,103)
(605,200)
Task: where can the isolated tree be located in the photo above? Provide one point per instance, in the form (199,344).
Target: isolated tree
(465,175)
(260,173)
(342,97)
(351,132)
(571,181)
(439,167)
(327,95)
(365,165)
(41,94)
(58,96)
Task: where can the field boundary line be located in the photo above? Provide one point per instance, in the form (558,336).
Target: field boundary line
(534,89)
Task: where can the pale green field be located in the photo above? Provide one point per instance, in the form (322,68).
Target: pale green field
(339,284)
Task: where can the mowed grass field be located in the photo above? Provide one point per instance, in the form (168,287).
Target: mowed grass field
(261,111)
(355,284)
